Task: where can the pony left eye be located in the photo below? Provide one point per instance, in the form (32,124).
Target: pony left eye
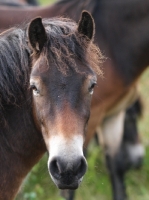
(91,89)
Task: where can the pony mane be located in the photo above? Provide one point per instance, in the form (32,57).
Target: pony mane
(14,66)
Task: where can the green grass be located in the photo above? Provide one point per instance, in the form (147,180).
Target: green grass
(46,2)
(96,185)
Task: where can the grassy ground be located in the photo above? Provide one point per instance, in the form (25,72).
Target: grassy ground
(38,185)
(46,2)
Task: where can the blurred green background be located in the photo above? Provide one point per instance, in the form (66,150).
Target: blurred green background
(96,185)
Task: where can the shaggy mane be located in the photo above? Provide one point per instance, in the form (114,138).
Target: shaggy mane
(65,45)
(14,66)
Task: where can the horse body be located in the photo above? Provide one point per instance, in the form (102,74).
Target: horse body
(39,110)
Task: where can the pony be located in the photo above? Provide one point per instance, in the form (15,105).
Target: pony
(126,49)
(48,70)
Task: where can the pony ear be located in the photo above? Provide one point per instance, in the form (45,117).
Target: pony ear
(37,34)
(86,25)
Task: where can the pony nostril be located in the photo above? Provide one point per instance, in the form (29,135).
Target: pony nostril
(81,168)
(54,168)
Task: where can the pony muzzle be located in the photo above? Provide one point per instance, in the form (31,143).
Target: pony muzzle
(66,164)
(67,175)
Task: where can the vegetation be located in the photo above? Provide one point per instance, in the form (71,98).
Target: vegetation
(96,185)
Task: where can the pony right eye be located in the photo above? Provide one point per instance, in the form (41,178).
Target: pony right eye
(33,87)
(35,90)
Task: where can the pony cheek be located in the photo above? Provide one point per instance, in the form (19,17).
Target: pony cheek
(41,110)
(45,134)
(41,124)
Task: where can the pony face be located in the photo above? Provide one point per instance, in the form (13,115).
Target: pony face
(61,98)
(62,108)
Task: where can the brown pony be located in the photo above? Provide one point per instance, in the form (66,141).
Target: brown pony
(48,71)
(126,49)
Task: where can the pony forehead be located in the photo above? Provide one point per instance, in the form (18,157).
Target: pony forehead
(67,49)
(45,65)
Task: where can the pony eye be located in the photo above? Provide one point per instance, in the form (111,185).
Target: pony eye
(35,90)
(91,89)
(33,87)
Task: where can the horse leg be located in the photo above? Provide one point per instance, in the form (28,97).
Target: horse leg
(129,156)
(131,152)
(131,145)
(112,134)
(117,179)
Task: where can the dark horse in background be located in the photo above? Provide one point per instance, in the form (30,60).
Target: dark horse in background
(48,70)
(126,49)
(19,3)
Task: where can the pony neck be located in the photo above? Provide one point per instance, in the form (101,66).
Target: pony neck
(22,147)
